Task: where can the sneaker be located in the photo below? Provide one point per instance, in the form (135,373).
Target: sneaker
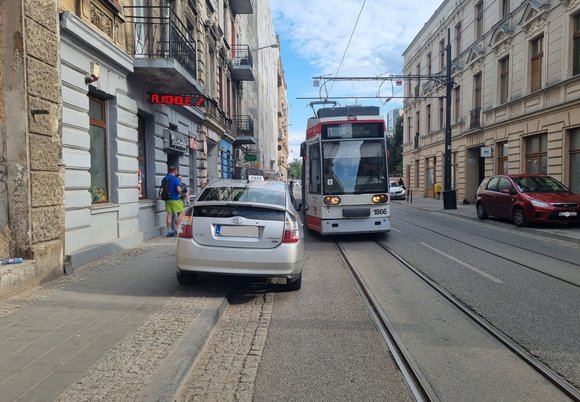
(171,234)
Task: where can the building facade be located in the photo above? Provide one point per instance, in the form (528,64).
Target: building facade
(515,100)
(391,120)
(99,97)
(31,171)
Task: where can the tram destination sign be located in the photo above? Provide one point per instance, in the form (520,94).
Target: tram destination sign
(178,100)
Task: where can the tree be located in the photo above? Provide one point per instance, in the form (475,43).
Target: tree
(295,169)
(395,146)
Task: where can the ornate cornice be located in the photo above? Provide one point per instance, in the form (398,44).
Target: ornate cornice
(535,17)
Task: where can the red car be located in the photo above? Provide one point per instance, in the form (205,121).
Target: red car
(526,199)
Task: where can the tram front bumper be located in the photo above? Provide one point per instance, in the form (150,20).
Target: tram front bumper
(362,225)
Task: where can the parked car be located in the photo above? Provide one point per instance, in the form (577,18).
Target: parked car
(526,199)
(396,192)
(242,227)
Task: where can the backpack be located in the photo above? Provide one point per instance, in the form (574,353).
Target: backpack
(164,192)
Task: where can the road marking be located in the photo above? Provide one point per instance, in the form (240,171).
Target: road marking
(466,265)
(398,231)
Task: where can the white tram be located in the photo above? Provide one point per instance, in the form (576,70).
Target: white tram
(344,171)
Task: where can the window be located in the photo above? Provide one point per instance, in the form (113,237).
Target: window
(417,173)
(98,150)
(141,159)
(221,88)
(408,129)
(418,122)
(576,46)
(575,160)
(430,172)
(536,63)
(442,54)
(479,20)
(457,102)
(457,40)
(505,8)
(429,63)
(315,174)
(504,71)
(476,112)
(537,154)
(502,157)
(441,115)
(428,119)
(504,184)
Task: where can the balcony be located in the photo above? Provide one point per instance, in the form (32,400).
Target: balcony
(241,6)
(242,63)
(218,115)
(475,118)
(164,51)
(244,130)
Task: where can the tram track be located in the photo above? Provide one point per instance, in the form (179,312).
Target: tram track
(503,256)
(418,383)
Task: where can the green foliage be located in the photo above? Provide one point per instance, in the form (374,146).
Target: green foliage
(295,169)
(395,145)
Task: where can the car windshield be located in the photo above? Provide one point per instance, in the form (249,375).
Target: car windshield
(244,194)
(539,184)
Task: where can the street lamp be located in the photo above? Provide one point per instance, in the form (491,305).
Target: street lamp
(274,45)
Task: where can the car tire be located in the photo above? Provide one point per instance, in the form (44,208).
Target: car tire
(186,278)
(295,284)
(519,217)
(481,214)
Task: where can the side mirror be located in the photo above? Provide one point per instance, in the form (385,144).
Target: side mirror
(302,207)
(506,191)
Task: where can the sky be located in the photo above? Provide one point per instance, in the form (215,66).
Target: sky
(314,36)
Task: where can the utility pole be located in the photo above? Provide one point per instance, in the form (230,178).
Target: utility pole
(449,196)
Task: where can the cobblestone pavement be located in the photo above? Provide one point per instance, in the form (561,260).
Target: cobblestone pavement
(226,369)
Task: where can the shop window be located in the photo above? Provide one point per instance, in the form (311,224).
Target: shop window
(98,150)
(537,154)
(141,159)
(502,157)
(575,160)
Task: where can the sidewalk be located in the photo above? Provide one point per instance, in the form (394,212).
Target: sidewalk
(107,331)
(562,232)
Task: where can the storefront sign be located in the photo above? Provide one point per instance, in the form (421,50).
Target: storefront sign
(250,157)
(179,100)
(485,152)
(174,141)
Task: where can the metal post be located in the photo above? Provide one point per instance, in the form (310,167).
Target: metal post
(449,197)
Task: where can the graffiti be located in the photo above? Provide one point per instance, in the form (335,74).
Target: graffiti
(3,171)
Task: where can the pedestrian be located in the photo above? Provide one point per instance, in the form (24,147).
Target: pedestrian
(173,204)
(183,197)
(401,182)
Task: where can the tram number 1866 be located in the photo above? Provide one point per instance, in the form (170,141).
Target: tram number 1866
(380,211)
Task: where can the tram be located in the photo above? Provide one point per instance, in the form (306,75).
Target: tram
(345,171)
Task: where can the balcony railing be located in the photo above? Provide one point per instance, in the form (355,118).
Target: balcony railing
(159,33)
(244,129)
(242,63)
(475,118)
(218,114)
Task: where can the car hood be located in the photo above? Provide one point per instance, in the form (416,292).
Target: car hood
(555,197)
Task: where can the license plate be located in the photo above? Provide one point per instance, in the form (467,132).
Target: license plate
(239,231)
(568,214)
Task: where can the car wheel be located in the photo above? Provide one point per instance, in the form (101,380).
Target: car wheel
(481,214)
(186,278)
(519,217)
(295,284)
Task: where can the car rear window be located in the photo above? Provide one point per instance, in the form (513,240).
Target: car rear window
(229,211)
(244,194)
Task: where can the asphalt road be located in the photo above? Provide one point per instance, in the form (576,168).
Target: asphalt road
(524,284)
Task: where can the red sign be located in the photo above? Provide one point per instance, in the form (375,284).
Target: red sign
(179,100)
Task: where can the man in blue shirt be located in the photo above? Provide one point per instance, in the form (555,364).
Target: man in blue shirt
(173,204)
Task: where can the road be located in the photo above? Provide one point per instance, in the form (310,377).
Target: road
(123,329)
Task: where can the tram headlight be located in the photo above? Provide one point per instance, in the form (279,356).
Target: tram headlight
(331,200)
(380,199)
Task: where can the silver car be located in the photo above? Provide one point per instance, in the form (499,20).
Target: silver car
(396,192)
(242,227)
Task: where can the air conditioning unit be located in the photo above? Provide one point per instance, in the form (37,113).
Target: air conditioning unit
(238,154)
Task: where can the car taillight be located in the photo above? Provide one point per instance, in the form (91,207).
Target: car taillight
(185,229)
(291,229)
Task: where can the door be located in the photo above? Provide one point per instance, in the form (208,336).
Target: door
(504,198)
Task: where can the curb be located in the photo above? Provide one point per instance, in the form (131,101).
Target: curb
(169,376)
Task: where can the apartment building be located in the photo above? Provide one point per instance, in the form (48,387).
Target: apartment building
(515,100)
(99,97)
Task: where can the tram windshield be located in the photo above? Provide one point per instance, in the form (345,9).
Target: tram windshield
(354,167)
